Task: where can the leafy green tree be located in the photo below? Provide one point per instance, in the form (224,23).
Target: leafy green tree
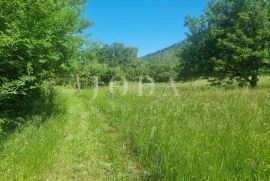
(137,70)
(230,42)
(39,40)
(117,54)
(111,74)
(90,54)
(163,72)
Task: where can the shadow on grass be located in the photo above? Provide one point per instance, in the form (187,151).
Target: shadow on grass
(33,109)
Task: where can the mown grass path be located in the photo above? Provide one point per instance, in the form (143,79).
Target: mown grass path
(75,145)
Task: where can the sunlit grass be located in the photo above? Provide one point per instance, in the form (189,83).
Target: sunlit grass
(74,144)
(203,134)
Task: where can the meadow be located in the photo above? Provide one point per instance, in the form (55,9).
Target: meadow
(204,133)
(56,126)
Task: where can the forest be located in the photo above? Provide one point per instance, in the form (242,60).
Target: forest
(215,128)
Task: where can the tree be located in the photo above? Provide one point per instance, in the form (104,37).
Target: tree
(230,42)
(163,72)
(137,70)
(39,40)
(111,74)
(117,54)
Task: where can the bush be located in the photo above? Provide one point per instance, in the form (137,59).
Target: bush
(163,72)
(15,112)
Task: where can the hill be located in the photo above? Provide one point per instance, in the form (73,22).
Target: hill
(165,55)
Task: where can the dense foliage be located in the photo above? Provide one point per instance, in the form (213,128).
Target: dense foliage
(117,54)
(116,61)
(229,42)
(38,41)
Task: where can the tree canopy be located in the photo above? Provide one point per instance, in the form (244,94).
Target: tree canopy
(38,41)
(117,54)
(229,42)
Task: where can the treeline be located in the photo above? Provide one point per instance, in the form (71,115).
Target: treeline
(116,61)
(229,44)
(41,44)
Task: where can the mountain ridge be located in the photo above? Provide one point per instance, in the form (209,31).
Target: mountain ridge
(164,55)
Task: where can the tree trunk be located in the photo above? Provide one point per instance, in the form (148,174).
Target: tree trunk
(254,80)
(78,82)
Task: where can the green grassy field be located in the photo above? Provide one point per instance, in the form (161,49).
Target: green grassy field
(204,133)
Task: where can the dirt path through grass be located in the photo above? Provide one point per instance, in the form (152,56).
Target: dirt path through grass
(78,145)
(91,149)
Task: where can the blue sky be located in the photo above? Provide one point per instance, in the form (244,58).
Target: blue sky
(149,25)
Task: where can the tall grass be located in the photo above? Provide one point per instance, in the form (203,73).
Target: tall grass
(29,150)
(73,144)
(203,134)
